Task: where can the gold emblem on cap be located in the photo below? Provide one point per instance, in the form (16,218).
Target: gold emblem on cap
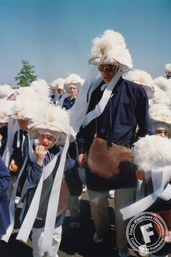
(51,119)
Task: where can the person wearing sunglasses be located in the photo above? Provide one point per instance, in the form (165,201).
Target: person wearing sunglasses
(113,108)
(107,71)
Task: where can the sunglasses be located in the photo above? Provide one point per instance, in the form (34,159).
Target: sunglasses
(107,68)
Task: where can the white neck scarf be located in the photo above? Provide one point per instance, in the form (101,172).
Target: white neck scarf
(105,98)
(82,100)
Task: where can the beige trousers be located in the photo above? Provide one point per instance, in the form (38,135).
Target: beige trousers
(99,210)
(123,198)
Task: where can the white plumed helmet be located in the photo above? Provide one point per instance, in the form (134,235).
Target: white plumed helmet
(110,48)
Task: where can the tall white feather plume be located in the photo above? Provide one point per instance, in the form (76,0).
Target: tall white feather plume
(110,48)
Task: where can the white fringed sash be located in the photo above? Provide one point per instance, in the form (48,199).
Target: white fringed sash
(161,189)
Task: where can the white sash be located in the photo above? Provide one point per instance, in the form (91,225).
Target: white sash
(28,222)
(81,102)
(6,237)
(63,97)
(53,203)
(159,180)
(12,205)
(12,128)
(104,100)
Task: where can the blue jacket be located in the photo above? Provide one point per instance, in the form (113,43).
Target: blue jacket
(68,102)
(34,172)
(4,211)
(126,109)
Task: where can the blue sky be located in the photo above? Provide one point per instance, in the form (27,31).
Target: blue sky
(55,36)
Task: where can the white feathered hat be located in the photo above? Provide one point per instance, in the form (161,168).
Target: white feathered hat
(6,91)
(160,117)
(51,118)
(143,78)
(73,80)
(5,110)
(110,48)
(163,83)
(58,83)
(26,104)
(41,87)
(160,112)
(159,97)
(152,153)
(168,67)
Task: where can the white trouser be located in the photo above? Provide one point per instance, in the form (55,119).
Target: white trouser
(37,239)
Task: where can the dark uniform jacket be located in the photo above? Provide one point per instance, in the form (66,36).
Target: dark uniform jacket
(68,102)
(126,109)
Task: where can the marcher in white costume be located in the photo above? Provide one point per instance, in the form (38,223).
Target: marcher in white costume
(57,90)
(151,154)
(100,99)
(47,165)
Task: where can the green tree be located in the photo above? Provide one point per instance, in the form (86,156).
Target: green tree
(26,75)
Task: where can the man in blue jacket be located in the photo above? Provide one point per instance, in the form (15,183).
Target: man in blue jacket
(117,110)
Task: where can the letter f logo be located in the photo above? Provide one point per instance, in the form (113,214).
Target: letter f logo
(146,232)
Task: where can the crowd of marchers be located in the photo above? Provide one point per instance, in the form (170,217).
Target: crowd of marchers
(49,133)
